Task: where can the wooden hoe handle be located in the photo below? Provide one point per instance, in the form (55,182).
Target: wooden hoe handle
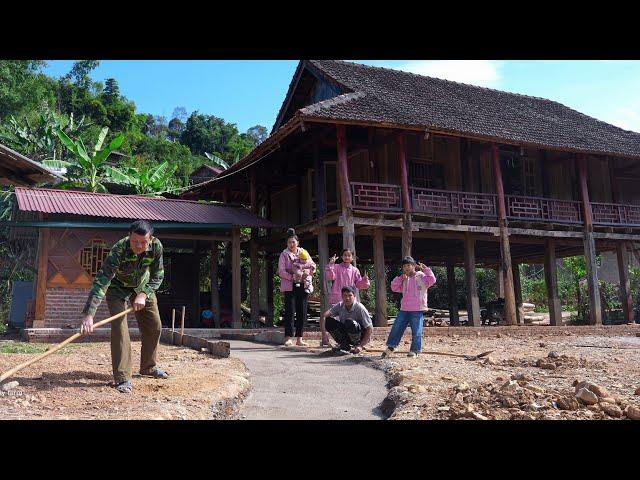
(73,337)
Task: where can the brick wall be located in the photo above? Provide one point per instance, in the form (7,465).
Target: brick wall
(63,306)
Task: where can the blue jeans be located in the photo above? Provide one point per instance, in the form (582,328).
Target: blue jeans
(413,319)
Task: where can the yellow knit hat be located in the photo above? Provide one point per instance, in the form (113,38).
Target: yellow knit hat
(304,255)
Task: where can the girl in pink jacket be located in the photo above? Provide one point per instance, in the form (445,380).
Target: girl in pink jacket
(413,284)
(342,275)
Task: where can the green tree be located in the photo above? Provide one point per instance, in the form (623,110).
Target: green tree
(23,88)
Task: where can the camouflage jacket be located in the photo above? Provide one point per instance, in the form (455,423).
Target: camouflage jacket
(125,273)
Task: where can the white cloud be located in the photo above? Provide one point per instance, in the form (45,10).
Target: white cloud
(484,73)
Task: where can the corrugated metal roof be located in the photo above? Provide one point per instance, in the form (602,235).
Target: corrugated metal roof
(133,207)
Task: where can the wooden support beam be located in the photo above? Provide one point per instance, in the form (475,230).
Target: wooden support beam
(517,286)
(215,288)
(454,317)
(551,281)
(195,321)
(318,170)
(404,175)
(500,281)
(587,214)
(254,280)
(348,232)
(343,168)
(473,302)
(270,308)
(381,317)
(595,309)
(41,280)
(323,259)
(407,239)
(505,249)
(236,275)
(625,283)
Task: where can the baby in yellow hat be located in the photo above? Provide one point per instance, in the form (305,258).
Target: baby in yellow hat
(303,264)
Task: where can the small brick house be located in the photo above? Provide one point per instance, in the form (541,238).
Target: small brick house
(75,231)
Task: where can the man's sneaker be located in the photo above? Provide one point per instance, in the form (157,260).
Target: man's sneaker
(412,354)
(387,352)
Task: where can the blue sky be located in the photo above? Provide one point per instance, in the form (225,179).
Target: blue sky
(250,92)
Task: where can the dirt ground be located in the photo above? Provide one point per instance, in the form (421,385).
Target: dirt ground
(76,384)
(523,378)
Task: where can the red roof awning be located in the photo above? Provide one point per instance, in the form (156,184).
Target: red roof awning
(133,207)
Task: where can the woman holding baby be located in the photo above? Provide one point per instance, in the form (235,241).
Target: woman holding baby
(295,269)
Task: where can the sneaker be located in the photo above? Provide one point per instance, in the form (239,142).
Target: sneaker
(412,354)
(387,352)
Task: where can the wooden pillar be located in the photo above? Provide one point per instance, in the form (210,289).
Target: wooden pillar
(517,286)
(215,289)
(323,259)
(454,317)
(254,281)
(595,309)
(236,275)
(41,281)
(625,283)
(407,235)
(551,281)
(473,302)
(381,318)
(404,176)
(269,267)
(348,227)
(500,281)
(195,321)
(343,167)
(505,249)
(318,168)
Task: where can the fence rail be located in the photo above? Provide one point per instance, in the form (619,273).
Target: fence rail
(376,196)
(615,214)
(453,203)
(543,209)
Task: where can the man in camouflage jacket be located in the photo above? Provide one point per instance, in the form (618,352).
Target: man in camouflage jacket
(132,271)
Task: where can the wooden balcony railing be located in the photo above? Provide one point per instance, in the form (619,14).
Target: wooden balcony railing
(543,209)
(615,214)
(453,203)
(376,196)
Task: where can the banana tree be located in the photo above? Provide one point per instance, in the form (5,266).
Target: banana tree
(85,170)
(217,161)
(145,180)
(37,138)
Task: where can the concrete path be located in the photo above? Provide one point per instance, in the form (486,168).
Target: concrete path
(290,385)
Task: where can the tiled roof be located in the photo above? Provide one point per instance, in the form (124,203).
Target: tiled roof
(393,97)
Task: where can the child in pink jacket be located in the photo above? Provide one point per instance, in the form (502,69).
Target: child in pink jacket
(413,284)
(342,275)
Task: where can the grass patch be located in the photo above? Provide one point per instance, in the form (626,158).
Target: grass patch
(24,347)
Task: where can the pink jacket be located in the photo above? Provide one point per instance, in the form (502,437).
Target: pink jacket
(414,290)
(286,269)
(343,274)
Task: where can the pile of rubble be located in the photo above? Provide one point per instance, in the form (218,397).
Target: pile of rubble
(521,399)
(554,361)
